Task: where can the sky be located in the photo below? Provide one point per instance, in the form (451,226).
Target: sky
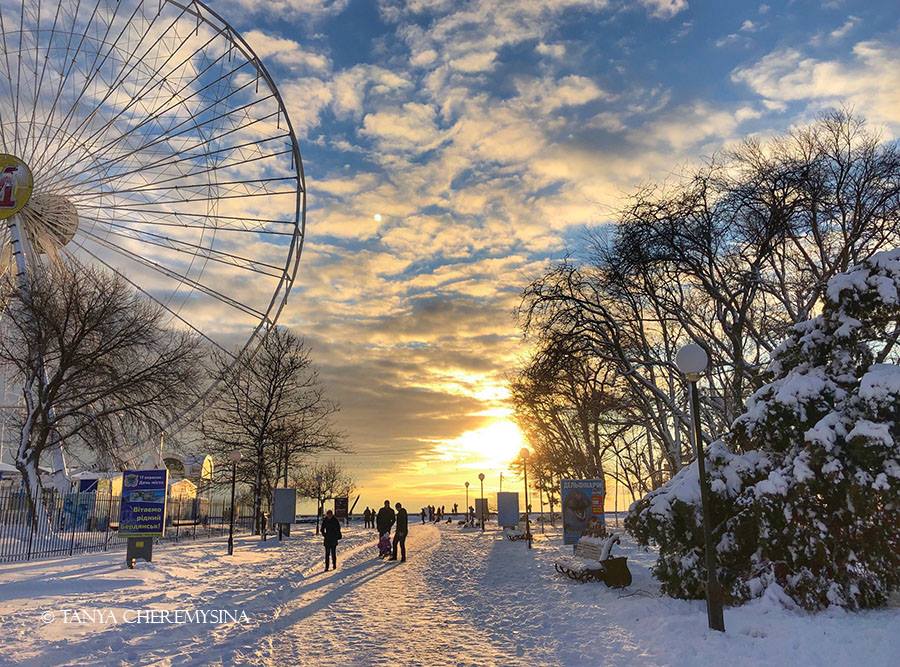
(453,149)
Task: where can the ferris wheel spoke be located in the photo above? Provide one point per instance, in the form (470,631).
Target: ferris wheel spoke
(68,68)
(77,133)
(202,216)
(193,249)
(146,293)
(49,117)
(94,68)
(19,71)
(181,176)
(160,111)
(37,52)
(154,116)
(165,161)
(217,228)
(175,275)
(187,187)
(166,137)
(157,79)
(6,147)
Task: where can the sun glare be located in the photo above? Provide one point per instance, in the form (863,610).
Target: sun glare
(493,446)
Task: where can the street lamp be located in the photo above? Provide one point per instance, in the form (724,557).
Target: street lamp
(693,361)
(524,454)
(318,501)
(234,457)
(481,477)
(467,503)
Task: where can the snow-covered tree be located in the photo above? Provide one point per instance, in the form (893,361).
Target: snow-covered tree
(806,485)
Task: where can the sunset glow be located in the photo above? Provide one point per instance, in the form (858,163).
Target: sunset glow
(490,448)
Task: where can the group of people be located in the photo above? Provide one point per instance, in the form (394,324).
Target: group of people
(384,520)
(436,514)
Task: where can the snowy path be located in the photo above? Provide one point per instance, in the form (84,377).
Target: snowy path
(463,598)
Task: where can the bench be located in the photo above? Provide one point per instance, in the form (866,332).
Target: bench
(592,562)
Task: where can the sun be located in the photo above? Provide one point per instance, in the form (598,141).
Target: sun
(493,446)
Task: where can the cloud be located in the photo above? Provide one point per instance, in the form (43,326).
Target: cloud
(474,62)
(664,9)
(849,24)
(352,87)
(412,127)
(314,9)
(869,81)
(286,52)
(557,51)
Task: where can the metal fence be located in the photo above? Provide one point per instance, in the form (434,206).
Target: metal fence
(79,523)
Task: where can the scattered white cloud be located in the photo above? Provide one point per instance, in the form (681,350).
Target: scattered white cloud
(474,62)
(286,52)
(848,25)
(553,50)
(869,80)
(664,9)
(412,127)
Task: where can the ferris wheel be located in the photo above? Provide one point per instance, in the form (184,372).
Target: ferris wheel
(145,137)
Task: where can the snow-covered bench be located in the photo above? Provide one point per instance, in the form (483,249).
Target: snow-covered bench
(516,534)
(592,562)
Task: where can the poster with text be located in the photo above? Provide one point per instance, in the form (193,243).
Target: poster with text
(143,507)
(582,508)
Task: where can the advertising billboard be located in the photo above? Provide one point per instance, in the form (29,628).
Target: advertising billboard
(143,507)
(582,508)
(284,505)
(481,510)
(340,507)
(508,509)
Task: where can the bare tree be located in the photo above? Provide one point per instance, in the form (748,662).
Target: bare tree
(731,258)
(323,481)
(273,410)
(99,369)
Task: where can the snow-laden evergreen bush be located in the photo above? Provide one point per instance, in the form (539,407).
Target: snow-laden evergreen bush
(806,486)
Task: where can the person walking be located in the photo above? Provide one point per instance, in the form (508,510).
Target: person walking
(385,519)
(331,531)
(400,534)
(423,515)
(367,516)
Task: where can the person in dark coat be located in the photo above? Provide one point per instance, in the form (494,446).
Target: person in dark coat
(367,516)
(331,531)
(423,514)
(385,519)
(400,534)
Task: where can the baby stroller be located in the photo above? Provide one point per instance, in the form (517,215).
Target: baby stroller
(384,546)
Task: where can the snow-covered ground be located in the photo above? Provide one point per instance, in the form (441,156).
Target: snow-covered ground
(463,598)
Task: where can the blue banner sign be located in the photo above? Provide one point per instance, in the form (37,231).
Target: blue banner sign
(143,510)
(582,508)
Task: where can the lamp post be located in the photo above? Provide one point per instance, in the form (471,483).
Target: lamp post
(318,501)
(524,454)
(234,457)
(467,503)
(501,482)
(481,477)
(693,361)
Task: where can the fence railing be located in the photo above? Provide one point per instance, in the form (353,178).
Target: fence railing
(79,523)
